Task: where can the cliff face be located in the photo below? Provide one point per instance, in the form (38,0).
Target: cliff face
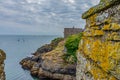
(2,58)
(99,51)
(48,64)
(54,67)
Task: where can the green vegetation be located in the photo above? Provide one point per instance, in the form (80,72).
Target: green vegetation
(49,47)
(71,44)
(55,41)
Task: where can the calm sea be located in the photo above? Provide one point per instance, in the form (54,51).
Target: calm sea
(17,48)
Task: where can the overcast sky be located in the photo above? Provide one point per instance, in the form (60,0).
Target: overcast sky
(42,17)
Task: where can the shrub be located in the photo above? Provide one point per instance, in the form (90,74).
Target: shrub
(55,41)
(48,47)
(71,44)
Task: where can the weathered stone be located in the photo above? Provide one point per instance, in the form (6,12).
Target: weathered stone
(2,58)
(88,70)
(50,65)
(91,32)
(111,27)
(99,51)
(101,6)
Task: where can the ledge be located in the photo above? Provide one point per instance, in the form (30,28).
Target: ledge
(104,4)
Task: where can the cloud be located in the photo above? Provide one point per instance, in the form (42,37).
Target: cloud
(39,15)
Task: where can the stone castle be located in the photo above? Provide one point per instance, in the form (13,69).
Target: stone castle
(99,50)
(71,31)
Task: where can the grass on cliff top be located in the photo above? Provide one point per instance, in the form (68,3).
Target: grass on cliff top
(49,47)
(55,41)
(71,44)
(55,55)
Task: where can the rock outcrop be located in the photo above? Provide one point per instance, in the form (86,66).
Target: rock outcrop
(50,64)
(99,50)
(2,58)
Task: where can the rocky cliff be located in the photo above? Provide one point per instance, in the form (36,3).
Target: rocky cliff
(47,63)
(99,50)
(2,58)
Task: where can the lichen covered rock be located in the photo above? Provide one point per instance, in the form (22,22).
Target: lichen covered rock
(2,58)
(104,4)
(99,51)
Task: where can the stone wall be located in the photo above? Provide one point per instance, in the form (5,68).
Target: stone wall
(99,50)
(71,31)
(2,58)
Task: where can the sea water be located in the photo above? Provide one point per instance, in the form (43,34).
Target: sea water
(18,47)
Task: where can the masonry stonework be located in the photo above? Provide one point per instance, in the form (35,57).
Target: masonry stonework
(99,50)
(71,31)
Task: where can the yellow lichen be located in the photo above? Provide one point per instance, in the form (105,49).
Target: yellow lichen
(92,32)
(104,54)
(101,41)
(97,73)
(92,20)
(112,26)
(115,26)
(113,36)
(99,7)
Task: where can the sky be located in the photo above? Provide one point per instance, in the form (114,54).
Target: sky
(42,17)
